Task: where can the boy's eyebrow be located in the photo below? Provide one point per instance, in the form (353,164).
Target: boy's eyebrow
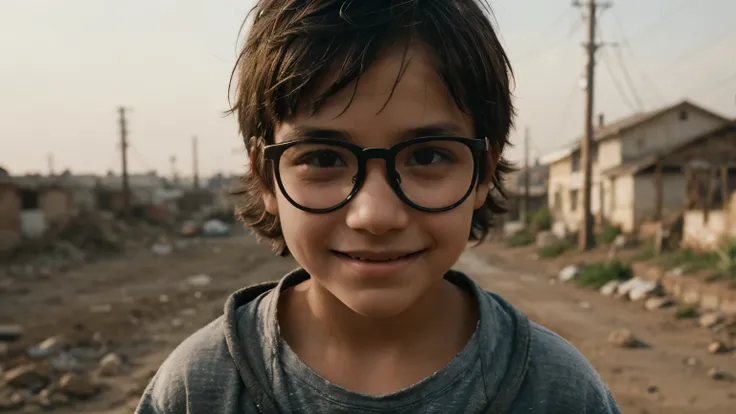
(438,129)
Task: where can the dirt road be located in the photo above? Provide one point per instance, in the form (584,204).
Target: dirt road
(142,306)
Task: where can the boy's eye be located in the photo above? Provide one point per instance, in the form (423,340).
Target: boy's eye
(427,156)
(322,159)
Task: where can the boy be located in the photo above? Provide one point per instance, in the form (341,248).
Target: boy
(375,129)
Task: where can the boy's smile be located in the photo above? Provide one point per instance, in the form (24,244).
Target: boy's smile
(377,255)
(379,263)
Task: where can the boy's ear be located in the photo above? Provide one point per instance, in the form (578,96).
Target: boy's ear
(268,196)
(269,201)
(484,186)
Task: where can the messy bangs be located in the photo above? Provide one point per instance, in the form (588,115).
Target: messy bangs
(299,53)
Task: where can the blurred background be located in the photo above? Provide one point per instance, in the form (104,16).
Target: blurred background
(117,163)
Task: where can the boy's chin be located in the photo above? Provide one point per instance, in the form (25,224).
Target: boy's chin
(379,304)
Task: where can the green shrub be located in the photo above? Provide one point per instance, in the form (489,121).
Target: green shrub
(553,250)
(599,274)
(687,312)
(541,220)
(521,238)
(608,233)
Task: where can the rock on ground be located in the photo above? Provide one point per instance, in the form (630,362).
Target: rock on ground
(709,320)
(610,288)
(657,303)
(625,339)
(111,365)
(568,273)
(78,386)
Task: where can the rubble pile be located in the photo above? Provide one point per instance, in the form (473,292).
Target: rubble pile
(80,240)
(54,373)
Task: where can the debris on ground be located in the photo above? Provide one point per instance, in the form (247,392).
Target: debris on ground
(28,376)
(78,386)
(10,332)
(199,280)
(718,347)
(568,273)
(710,320)
(658,303)
(47,348)
(111,365)
(610,288)
(162,249)
(215,228)
(644,289)
(624,338)
(720,375)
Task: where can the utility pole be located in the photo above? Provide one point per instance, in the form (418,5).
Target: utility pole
(195,162)
(174,177)
(124,151)
(50,160)
(527,216)
(586,239)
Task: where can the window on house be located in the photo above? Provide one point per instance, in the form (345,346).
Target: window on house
(557,202)
(576,161)
(29,200)
(574,200)
(683,115)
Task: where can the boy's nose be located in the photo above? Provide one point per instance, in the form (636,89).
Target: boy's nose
(376,208)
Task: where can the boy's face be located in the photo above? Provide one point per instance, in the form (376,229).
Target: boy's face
(376,224)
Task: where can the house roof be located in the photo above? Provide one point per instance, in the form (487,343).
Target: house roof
(725,153)
(632,121)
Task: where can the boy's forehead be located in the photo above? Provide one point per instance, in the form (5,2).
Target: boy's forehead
(401,91)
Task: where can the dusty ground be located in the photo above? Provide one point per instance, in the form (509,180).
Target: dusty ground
(143,328)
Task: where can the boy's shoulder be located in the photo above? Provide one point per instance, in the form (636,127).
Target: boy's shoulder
(200,364)
(557,378)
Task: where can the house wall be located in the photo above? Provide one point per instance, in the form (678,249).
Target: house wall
(559,190)
(84,199)
(56,205)
(645,193)
(700,233)
(666,132)
(622,203)
(609,155)
(10,226)
(564,181)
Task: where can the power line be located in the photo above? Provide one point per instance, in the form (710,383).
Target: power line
(617,84)
(629,81)
(568,104)
(560,17)
(712,85)
(627,44)
(662,18)
(577,24)
(140,156)
(705,46)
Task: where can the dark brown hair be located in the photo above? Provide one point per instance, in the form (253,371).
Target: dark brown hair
(292,46)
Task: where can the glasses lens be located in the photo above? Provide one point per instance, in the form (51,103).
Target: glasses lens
(318,176)
(435,174)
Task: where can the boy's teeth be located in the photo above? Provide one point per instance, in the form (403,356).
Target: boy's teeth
(372,260)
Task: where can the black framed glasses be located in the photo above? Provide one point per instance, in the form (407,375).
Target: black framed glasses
(431,174)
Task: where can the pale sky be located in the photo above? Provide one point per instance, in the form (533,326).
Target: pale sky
(67,65)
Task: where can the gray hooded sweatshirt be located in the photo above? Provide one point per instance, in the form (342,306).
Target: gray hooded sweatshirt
(240,364)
